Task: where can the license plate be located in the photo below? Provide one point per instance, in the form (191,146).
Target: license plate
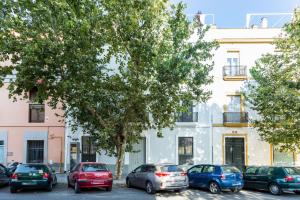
(29,183)
(97,182)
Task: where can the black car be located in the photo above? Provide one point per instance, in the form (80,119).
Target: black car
(274,179)
(4,175)
(13,166)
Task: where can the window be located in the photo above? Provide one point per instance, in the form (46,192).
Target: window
(36,113)
(233,63)
(234,104)
(35,151)
(251,171)
(262,171)
(33,94)
(138,169)
(208,169)
(276,171)
(230,169)
(189,115)
(197,169)
(150,168)
(292,170)
(88,150)
(94,168)
(2,159)
(185,150)
(282,158)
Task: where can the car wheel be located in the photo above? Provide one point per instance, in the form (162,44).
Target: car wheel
(50,187)
(149,188)
(275,189)
(108,189)
(297,192)
(214,188)
(77,188)
(128,184)
(13,190)
(179,190)
(69,185)
(236,190)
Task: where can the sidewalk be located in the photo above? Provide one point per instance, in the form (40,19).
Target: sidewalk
(62,178)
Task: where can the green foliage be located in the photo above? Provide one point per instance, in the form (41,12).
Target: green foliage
(275,92)
(109,63)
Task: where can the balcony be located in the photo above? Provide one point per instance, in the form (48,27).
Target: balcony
(187,117)
(235,73)
(236,119)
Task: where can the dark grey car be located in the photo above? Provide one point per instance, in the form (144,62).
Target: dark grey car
(153,178)
(4,175)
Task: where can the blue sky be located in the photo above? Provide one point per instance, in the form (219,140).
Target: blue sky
(232,13)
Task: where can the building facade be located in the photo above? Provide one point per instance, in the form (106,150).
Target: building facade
(30,132)
(218,131)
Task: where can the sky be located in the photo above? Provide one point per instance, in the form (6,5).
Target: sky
(232,13)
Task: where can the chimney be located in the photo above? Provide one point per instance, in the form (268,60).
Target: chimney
(264,22)
(200,18)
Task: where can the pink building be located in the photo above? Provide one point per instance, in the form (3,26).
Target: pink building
(30,132)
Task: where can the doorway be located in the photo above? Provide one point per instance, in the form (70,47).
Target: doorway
(235,151)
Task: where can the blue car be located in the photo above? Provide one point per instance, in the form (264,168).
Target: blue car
(216,178)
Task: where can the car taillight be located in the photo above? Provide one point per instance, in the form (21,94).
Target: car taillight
(14,176)
(183,173)
(289,179)
(45,175)
(110,175)
(161,174)
(223,177)
(82,176)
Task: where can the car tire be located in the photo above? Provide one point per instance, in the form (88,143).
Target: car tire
(50,187)
(178,191)
(275,189)
(297,192)
(108,189)
(13,189)
(214,187)
(236,190)
(149,188)
(77,188)
(128,184)
(69,185)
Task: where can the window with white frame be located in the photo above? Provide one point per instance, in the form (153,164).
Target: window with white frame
(234,103)
(283,158)
(233,63)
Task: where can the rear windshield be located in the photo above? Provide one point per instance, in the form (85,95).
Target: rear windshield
(32,168)
(230,169)
(170,168)
(292,170)
(93,167)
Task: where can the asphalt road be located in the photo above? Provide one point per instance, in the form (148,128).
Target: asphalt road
(61,192)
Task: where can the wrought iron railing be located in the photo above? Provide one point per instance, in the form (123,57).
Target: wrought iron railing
(232,71)
(187,117)
(235,117)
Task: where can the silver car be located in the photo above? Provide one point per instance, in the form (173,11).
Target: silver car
(153,178)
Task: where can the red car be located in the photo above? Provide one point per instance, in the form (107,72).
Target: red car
(90,175)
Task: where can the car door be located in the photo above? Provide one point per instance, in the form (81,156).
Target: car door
(74,174)
(206,175)
(141,176)
(3,175)
(250,177)
(262,178)
(194,174)
(134,176)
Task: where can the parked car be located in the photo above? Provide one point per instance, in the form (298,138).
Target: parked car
(32,176)
(154,178)
(90,175)
(216,178)
(4,175)
(13,166)
(274,179)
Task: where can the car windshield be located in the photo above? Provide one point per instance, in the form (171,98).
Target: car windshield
(292,170)
(32,168)
(170,168)
(93,167)
(230,169)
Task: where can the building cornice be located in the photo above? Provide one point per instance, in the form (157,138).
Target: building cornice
(246,40)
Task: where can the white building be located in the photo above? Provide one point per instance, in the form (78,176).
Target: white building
(218,131)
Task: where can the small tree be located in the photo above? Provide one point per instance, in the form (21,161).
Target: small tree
(275,92)
(109,63)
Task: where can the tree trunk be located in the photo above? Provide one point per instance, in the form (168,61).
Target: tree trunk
(121,144)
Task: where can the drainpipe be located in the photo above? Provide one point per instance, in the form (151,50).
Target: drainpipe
(212,138)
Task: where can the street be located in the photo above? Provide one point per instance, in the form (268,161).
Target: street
(61,192)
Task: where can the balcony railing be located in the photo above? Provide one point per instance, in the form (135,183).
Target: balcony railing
(239,71)
(187,117)
(235,118)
